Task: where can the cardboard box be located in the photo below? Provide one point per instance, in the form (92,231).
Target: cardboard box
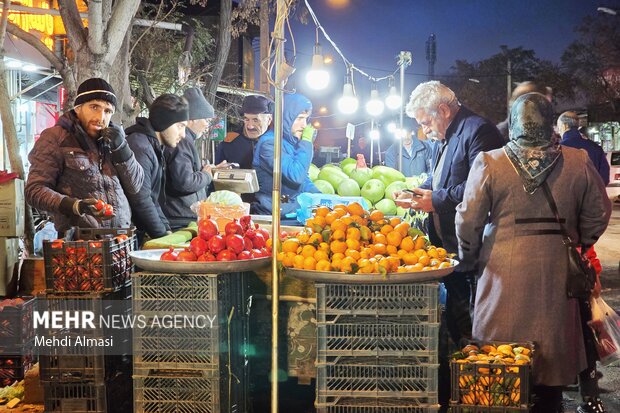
(9,260)
(12,208)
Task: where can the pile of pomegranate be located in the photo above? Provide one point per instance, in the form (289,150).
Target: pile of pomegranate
(241,240)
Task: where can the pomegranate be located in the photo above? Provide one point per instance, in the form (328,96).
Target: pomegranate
(262,231)
(233,227)
(256,253)
(169,255)
(207,256)
(246,222)
(207,228)
(258,241)
(216,244)
(226,255)
(250,233)
(235,243)
(245,255)
(265,252)
(186,255)
(247,243)
(198,246)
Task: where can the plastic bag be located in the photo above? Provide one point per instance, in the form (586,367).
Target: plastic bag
(47,233)
(309,201)
(222,214)
(606,326)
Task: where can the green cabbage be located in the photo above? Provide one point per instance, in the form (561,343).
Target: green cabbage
(225,198)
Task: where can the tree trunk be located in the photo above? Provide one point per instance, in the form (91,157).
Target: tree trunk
(119,79)
(264,45)
(224,40)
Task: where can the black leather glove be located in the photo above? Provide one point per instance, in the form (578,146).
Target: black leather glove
(72,206)
(114,136)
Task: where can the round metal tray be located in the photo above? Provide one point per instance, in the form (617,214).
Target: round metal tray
(148,260)
(389,278)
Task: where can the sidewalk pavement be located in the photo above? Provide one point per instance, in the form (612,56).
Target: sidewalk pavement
(608,251)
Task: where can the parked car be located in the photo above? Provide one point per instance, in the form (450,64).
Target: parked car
(614,168)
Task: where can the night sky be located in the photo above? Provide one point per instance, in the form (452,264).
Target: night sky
(372,32)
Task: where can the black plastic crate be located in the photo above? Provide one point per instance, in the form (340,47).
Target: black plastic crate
(482,409)
(374,405)
(113,396)
(16,326)
(500,384)
(14,367)
(89,259)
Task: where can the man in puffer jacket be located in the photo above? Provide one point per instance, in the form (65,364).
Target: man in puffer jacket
(165,126)
(297,152)
(81,159)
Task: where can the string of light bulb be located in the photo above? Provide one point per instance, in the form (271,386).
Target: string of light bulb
(318,79)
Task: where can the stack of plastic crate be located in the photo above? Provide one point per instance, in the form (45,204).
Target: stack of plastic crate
(199,366)
(377,348)
(84,368)
(16,339)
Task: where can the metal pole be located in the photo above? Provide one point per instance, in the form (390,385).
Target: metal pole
(372,141)
(404,60)
(508,85)
(278,35)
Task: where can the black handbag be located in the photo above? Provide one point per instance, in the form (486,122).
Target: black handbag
(581,274)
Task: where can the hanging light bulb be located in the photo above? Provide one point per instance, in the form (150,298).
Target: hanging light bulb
(317,77)
(391,127)
(393,99)
(374,106)
(348,103)
(374,134)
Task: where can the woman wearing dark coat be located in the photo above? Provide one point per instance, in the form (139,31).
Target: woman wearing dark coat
(506,228)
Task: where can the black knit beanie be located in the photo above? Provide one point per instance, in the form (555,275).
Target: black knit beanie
(256,104)
(95,88)
(167,110)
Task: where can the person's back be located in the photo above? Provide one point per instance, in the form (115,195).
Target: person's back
(416,159)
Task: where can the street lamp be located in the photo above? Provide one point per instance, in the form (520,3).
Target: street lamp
(393,100)
(374,106)
(348,103)
(317,77)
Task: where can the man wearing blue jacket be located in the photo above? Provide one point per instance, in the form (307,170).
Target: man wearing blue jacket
(567,125)
(416,155)
(296,153)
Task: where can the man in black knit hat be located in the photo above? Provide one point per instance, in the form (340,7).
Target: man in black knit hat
(165,127)
(81,159)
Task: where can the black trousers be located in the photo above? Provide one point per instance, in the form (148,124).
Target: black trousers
(588,382)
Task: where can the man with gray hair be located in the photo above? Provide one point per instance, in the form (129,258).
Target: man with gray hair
(462,135)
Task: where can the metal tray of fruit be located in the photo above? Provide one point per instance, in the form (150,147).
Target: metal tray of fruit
(389,278)
(148,260)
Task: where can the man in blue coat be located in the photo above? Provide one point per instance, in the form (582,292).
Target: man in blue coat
(568,128)
(416,155)
(297,152)
(462,135)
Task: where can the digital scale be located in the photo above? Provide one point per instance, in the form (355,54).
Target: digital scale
(241,181)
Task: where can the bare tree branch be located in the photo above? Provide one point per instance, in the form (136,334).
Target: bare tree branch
(73,23)
(5,19)
(95,27)
(107,12)
(122,16)
(224,39)
(156,20)
(34,41)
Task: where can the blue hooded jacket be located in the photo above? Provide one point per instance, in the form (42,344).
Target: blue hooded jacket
(573,138)
(296,158)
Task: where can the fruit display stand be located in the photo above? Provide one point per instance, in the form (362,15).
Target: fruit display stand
(197,368)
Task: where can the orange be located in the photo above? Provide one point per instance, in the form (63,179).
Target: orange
(366,266)
(331,217)
(391,250)
(340,210)
(309,263)
(320,221)
(322,211)
(323,265)
(353,244)
(424,260)
(380,248)
(303,237)
(376,215)
(347,219)
(420,242)
(321,255)
(445,264)
(338,256)
(359,220)
(298,262)
(417,267)
(336,265)
(338,224)
(315,239)
(354,233)
(407,244)
(290,245)
(401,253)
(280,256)
(338,246)
(386,229)
(289,259)
(367,252)
(379,238)
(355,254)
(434,263)
(432,252)
(324,246)
(354,208)
(338,235)
(308,251)
(402,228)
(393,262)
(420,253)
(410,258)
(441,253)
(349,264)
(394,238)
(394,221)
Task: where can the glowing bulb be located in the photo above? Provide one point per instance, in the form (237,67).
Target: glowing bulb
(317,77)
(348,103)
(374,134)
(391,127)
(393,100)
(374,106)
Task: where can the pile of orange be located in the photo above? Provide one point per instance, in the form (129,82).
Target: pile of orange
(349,239)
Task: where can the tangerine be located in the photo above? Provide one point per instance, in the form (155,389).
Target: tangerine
(322,211)
(386,229)
(376,215)
(355,208)
(407,244)
(394,238)
(290,245)
(309,263)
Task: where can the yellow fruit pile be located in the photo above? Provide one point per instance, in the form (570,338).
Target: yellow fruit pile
(352,240)
(491,375)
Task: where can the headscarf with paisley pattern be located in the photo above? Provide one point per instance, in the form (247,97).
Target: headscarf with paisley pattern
(533,148)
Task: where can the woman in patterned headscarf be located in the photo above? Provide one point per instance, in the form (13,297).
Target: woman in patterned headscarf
(506,228)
